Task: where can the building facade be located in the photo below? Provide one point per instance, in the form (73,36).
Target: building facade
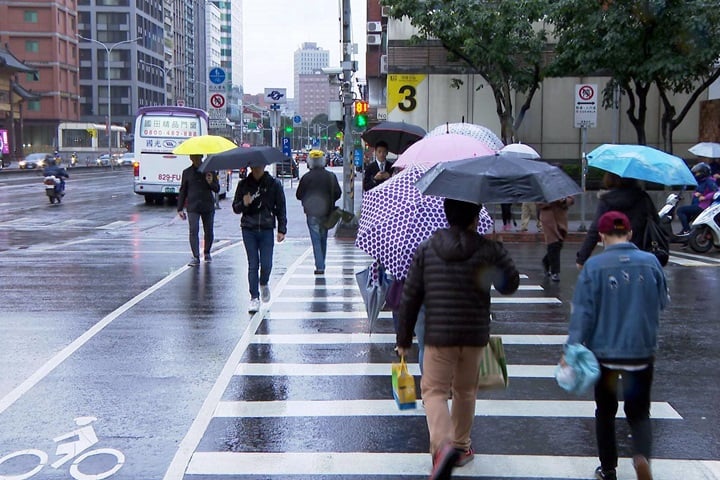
(231,55)
(42,34)
(311,90)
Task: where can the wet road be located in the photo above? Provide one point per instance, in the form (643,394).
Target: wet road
(100,318)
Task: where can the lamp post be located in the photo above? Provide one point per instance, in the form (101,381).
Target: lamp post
(108,51)
(165,72)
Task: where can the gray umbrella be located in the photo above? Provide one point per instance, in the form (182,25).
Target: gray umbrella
(493,179)
(398,135)
(242,157)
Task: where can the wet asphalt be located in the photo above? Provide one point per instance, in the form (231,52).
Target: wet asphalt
(100,317)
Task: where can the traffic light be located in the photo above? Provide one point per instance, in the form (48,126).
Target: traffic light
(361,111)
(289,129)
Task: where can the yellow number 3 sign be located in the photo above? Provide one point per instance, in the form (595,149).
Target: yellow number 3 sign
(403,91)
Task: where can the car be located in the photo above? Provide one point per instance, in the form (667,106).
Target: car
(125,159)
(36,160)
(288,168)
(105,159)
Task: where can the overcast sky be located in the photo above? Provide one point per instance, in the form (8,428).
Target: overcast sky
(274,29)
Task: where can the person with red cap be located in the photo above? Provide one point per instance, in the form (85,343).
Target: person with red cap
(616,313)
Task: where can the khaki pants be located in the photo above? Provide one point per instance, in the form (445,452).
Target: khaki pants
(447,369)
(528,211)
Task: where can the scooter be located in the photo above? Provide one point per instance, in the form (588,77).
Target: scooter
(73,159)
(54,188)
(666,216)
(705,231)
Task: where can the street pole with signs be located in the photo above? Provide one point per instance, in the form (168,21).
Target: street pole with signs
(585,117)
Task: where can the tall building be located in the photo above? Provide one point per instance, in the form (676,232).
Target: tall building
(311,89)
(42,34)
(231,55)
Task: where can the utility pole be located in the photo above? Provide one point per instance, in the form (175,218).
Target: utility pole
(347,229)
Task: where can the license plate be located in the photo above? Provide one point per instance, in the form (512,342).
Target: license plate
(169,190)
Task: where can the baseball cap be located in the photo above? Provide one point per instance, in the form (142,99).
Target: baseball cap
(613,222)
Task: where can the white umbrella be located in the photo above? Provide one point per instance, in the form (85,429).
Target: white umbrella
(519,150)
(706,149)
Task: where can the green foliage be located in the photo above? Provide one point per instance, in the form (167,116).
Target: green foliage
(502,40)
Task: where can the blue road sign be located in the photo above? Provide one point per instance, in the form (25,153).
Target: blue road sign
(297,119)
(217,75)
(287,151)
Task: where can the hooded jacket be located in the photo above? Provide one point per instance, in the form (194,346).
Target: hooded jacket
(318,191)
(267,205)
(633,202)
(196,194)
(451,274)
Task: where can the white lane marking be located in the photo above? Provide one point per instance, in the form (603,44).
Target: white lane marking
(176,469)
(353,288)
(357,299)
(690,263)
(696,256)
(419,464)
(378,338)
(66,352)
(365,369)
(388,408)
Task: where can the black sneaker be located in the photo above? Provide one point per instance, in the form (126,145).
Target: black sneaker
(601,474)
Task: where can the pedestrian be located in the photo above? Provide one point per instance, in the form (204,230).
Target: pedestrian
(701,199)
(379,170)
(626,196)
(615,314)
(451,275)
(529,210)
(506,215)
(260,199)
(318,191)
(196,197)
(554,218)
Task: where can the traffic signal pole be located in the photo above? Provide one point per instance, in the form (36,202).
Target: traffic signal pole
(347,229)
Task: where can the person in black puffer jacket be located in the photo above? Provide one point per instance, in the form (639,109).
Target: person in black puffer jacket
(261,201)
(452,274)
(623,195)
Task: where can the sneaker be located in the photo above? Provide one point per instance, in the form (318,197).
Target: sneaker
(319,272)
(601,474)
(642,467)
(465,457)
(507,228)
(208,257)
(254,305)
(194,262)
(265,293)
(443,462)
(554,277)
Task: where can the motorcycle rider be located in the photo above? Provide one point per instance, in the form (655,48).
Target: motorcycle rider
(701,199)
(73,159)
(54,169)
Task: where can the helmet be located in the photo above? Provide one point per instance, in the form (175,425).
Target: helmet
(701,170)
(316,159)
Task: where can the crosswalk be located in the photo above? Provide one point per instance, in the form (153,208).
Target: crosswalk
(306,394)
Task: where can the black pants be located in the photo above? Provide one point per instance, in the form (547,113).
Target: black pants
(506,213)
(208,219)
(551,260)
(636,394)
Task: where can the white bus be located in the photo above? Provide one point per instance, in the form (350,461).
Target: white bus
(158,130)
(88,140)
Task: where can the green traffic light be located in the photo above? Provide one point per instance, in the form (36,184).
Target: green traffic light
(288,129)
(361,120)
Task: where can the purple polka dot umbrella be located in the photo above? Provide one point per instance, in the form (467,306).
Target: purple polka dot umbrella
(395,217)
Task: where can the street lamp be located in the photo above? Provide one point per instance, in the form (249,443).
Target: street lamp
(109,113)
(165,72)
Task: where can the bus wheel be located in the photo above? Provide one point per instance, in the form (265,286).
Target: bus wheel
(149,199)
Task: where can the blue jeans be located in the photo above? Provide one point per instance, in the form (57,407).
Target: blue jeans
(259,246)
(687,214)
(318,238)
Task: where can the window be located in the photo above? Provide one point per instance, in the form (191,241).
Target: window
(31,77)
(30,16)
(33,105)
(32,46)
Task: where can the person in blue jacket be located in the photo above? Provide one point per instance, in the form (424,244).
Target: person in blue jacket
(616,313)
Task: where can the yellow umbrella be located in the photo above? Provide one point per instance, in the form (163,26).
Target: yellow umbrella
(204,145)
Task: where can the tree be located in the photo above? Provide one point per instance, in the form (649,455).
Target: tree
(638,43)
(499,40)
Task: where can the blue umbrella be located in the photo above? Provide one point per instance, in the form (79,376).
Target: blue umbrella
(641,163)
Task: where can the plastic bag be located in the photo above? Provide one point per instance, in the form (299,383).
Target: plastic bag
(403,386)
(584,367)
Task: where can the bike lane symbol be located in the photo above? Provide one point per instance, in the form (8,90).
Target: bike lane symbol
(84,438)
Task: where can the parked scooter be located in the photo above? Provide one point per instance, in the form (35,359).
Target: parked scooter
(705,231)
(666,216)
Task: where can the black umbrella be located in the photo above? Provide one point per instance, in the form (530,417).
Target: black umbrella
(493,179)
(398,135)
(242,157)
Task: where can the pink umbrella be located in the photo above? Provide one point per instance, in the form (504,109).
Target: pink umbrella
(477,132)
(442,148)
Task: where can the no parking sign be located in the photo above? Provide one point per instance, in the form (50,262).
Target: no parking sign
(586,105)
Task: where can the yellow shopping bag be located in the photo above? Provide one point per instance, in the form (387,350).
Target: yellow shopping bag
(403,385)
